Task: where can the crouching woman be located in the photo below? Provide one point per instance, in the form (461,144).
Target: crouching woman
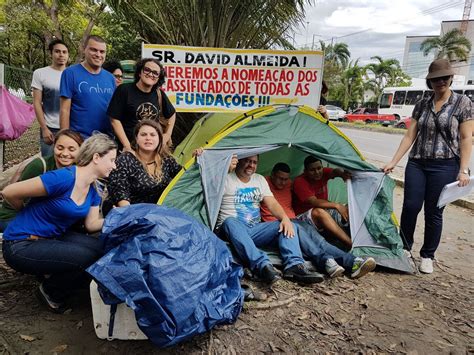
(37,242)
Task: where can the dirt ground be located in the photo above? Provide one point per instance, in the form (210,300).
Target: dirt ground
(384,312)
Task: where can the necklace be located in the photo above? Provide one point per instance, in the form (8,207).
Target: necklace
(151,163)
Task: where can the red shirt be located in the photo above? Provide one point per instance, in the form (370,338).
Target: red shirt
(304,189)
(283,197)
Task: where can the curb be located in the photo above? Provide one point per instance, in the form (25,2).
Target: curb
(461,202)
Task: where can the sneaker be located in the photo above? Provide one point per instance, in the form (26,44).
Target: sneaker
(268,274)
(362,267)
(426,266)
(299,273)
(53,305)
(333,269)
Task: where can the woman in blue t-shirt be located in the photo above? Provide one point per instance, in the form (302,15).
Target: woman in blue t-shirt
(36,242)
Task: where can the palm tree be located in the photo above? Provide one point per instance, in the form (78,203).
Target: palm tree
(384,72)
(351,87)
(453,45)
(214,23)
(337,54)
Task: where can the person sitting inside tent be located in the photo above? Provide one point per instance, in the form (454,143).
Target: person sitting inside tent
(311,200)
(143,174)
(239,221)
(323,254)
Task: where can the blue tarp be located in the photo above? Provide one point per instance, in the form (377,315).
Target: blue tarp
(178,277)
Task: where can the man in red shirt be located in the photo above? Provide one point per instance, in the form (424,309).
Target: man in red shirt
(314,247)
(311,200)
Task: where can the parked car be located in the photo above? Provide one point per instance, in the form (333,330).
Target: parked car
(335,113)
(370,115)
(403,123)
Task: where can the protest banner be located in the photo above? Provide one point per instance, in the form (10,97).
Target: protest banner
(203,79)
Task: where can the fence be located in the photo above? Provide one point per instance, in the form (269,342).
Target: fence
(18,82)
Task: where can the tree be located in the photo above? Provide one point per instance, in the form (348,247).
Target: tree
(351,87)
(337,54)
(385,72)
(453,45)
(213,23)
(30,26)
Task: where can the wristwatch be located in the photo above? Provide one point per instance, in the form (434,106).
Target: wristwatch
(466,171)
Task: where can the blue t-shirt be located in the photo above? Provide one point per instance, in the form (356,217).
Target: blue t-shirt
(51,215)
(90,95)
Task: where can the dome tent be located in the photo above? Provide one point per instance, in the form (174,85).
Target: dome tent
(289,134)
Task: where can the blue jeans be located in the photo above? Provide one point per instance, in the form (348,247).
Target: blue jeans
(246,241)
(64,259)
(47,149)
(424,180)
(318,250)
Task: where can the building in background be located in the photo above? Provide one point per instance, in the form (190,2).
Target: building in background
(416,64)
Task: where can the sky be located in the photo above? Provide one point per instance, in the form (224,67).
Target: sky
(374,27)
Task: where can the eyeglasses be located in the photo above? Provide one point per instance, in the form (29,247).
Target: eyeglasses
(148,71)
(118,76)
(443,78)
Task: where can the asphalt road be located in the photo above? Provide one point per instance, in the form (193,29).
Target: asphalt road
(379,146)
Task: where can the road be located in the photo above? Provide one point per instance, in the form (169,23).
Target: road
(379,146)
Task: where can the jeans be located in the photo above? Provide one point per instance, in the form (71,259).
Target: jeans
(424,180)
(47,149)
(64,259)
(246,241)
(318,250)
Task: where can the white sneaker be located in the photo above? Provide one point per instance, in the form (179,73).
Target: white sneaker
(333,268)
(426,266)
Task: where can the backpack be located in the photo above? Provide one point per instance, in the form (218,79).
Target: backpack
(13,174)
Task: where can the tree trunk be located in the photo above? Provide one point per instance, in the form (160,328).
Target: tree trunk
(53,14)
(88,30)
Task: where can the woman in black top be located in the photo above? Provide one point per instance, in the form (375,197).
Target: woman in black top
(440,132)
(141,100)
(142,175)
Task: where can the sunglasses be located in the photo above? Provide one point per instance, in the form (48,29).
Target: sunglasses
(441,78)
(118,76)
(148,71)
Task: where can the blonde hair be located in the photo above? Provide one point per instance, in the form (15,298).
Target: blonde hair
(159,151)
(98,143)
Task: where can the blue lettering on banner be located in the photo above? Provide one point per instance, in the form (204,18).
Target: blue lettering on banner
(216,100)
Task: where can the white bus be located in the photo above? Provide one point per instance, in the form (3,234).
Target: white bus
(400,101)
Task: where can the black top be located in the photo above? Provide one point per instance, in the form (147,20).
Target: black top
(129,181)
(129,105)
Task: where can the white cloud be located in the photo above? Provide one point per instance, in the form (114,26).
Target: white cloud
(375,27)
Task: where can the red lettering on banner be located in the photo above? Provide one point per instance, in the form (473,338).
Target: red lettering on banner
(307,75)
(302,90)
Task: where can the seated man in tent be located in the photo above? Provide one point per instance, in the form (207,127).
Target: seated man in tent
(311,200)
(323,254)
(239,221)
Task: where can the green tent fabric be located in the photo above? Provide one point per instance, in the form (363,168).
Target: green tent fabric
(298,132)
(203,130)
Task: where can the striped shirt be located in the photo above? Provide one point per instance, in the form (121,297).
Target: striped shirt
(429,143)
